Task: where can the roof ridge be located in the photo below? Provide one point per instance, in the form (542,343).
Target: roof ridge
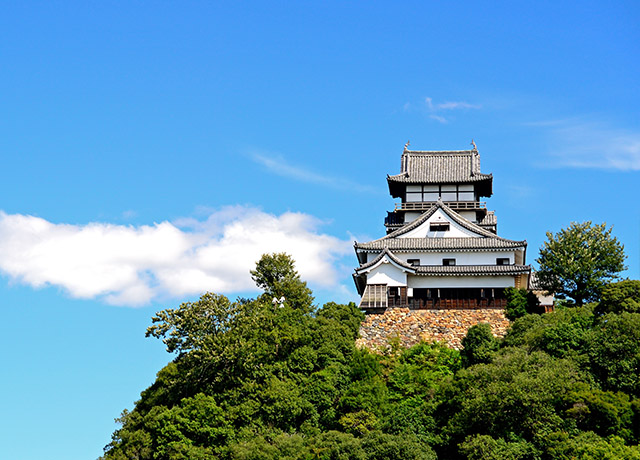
(385,252)
(450,238)
(438,151)
(454,270)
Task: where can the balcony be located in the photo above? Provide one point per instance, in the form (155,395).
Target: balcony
(455,205)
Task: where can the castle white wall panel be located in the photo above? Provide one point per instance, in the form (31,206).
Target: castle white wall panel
(455,230)
(460,281)
(462,258)
(387,274)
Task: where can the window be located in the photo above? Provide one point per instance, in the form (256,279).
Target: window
(448,192)
(489,293)
(458,293)
(448,262)
(414,262)
(374,296)
(439,226)
(502,261)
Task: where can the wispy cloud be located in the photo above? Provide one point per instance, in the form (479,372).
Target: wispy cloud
(277,164)
(583,143)
(449,105)
(457,105)
(440,111)
(131,266)
(438,118)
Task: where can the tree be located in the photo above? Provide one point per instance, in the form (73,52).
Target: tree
(277,276)
(186,328)
(518,396)
(614,352)
(579,261)
(521,302)
(484,447)
(561,333)
(479,345)
(619,297)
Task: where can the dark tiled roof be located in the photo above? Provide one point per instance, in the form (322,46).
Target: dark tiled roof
(434,244)
(438,167)
(489,219)
(534,282)
(391,256)
(461,270)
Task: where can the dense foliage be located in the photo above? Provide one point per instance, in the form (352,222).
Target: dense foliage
(577,262)
(521,302)
(258,379)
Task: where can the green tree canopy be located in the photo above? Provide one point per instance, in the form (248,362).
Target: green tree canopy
(579,261)
(521,302)
(254,380)
(478,345)
(277,276)
(619,297)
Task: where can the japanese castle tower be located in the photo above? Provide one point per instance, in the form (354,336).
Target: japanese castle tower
(441,250)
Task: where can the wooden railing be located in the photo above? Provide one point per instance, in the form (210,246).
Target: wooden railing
(455,205)
(436,304)
(454,304)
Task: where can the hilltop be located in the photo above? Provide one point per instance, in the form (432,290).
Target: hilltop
(276,377)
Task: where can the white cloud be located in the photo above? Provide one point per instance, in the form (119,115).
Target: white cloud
(278,165)
(457,105)
(126,265)
(442,120)
(582,143)
(429,102)
(435,110)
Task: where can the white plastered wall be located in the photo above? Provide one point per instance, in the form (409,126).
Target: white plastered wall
(460,281)
(462,258)
(411,216)
(387,273)
(469,215)
(455,230)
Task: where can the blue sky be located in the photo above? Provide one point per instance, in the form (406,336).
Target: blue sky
(152,152)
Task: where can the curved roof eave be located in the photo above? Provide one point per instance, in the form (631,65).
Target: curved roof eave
(392,258)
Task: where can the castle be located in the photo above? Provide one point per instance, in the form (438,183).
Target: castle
(441,267)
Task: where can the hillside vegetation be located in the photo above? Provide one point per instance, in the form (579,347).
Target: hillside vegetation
(273,378)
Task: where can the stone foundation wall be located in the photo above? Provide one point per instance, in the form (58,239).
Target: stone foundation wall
(413,326)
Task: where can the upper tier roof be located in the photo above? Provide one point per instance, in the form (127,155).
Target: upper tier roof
(441,244)
(440,167)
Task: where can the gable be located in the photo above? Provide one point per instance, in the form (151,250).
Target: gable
(385,258)
(428,228)
(387,273)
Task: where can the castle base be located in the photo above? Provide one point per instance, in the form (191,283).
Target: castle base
(410,327)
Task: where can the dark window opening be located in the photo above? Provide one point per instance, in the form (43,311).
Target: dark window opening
(439,227)
(393,292)
(448,262)
(446,192)
(426,294)
(502,261)
(414,262)
(458,293)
